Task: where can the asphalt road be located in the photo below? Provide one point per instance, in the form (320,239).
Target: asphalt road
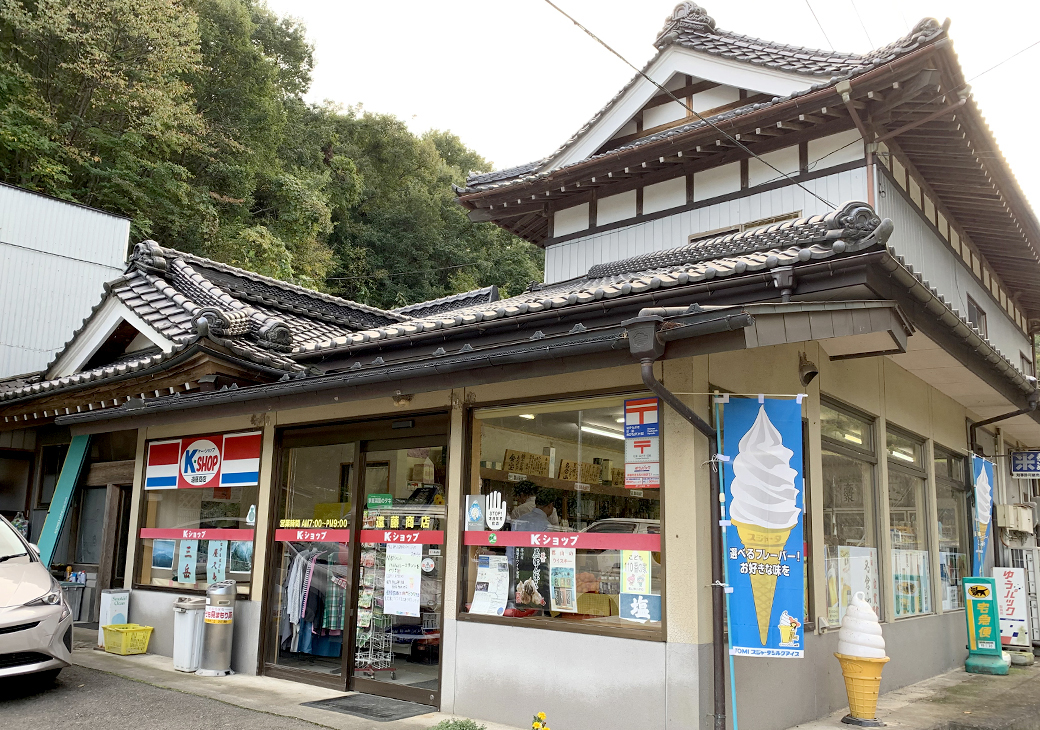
(86,699)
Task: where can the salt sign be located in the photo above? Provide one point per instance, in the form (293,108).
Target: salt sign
(402,578)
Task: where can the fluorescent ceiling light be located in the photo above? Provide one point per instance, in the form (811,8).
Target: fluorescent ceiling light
(528,416)
(853,439)
(620,420)
(900,455)
(604,432)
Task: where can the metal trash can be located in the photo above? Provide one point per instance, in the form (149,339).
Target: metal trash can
(218,629)
(73,596)
(187,632)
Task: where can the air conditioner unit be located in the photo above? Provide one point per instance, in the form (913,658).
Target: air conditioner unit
(1016,517)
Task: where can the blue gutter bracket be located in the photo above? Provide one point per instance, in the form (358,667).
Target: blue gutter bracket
(62,499)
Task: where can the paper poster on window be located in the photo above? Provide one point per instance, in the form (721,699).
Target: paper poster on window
(635,571)
(402,579)
(492,588)
(1013,605)
(187,558)
(562,580)
(216,560)
(763,489)
(982,478)
(852,571)
(910,573)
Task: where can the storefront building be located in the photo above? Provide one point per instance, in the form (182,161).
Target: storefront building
(433,503)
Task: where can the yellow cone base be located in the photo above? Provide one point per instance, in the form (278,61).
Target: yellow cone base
(862,682)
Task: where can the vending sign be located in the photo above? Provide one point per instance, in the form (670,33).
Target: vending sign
(1012,601)
(231,460)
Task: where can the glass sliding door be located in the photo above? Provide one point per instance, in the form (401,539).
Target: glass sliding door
(400,582)
(312,562)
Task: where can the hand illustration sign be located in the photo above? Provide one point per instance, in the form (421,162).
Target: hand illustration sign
(495,512)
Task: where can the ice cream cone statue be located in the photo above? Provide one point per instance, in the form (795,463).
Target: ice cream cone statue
(763,508)
(861,651)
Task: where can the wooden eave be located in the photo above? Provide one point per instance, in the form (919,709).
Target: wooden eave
(524,208)
(179,378)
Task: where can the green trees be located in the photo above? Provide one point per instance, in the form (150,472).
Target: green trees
(188,117)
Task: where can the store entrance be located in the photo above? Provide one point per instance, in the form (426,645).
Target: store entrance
(356,565)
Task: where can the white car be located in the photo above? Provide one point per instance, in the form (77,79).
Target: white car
(35,622)
(606,564)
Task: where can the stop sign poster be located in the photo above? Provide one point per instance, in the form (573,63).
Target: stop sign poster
(204,461)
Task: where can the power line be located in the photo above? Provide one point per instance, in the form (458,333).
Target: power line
(861,24)
(401,274)
(686,106)
(826,37)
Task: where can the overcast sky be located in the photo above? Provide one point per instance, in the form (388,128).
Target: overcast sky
(515,79)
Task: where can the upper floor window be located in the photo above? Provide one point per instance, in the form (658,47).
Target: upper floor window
(977,316)
(1027,364)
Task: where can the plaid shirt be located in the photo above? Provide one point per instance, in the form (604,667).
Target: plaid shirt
(336,598)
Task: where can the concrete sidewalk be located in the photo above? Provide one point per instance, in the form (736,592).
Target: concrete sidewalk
(264,694)
(957,701)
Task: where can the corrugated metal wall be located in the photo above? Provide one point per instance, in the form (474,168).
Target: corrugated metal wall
(54,259)
(573,258)
(931,257)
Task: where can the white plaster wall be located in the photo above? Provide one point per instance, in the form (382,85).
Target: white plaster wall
(571,220)
(573,258)
(662,114)
(615,208)
(664,195)
(929,255)
(785,160)
(712,98)
(717,181)
(837,149)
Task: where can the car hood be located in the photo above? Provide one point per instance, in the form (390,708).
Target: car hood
(22,582)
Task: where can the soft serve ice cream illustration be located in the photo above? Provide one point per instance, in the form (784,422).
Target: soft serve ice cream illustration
(861,651)
(763,508)
(983,498)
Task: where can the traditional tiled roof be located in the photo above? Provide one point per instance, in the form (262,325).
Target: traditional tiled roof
(851,228)
(689,26)
(446,304)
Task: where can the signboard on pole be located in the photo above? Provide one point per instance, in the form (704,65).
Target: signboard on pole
(983,480)
(1013,604)
(642,443)
(981,615)
(762,442)
(1025,464)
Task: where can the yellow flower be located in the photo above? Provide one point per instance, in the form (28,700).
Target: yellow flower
(541,716)
(536,725)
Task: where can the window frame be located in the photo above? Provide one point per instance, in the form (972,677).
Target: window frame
(967,492)
(979,320)
(924,510)
(142,514)
(471,469)
(851,451)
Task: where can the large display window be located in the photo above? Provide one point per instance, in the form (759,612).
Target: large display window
(951,501)
(563,515)
(850,529)
(198,516)
(907,523)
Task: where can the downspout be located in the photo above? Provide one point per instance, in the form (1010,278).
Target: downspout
(647,346)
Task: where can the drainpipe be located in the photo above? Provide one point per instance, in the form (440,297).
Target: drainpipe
(647,346)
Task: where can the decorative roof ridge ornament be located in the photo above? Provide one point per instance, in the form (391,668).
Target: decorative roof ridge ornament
(687,17)
(148,256)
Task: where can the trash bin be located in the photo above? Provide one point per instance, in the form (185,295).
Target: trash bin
(73,597)
(187,632)
(218,630)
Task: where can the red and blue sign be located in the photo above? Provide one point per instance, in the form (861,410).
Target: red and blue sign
(642,417)
(225,460)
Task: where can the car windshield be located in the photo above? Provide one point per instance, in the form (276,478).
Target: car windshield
(607,526)
(10,544)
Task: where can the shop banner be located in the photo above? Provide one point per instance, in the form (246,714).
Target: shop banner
(216,560)
(642,443)
(1013,605)
(231,460)
(579,540)
(982,478)
(195,533)
(981,615)
(1025,464)
(188,554)
(402,579)
(762,442)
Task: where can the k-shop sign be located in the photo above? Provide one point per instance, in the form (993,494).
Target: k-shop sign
(224,460)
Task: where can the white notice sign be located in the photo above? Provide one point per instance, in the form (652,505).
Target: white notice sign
(402,579)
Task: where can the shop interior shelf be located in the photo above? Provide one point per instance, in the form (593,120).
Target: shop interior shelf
(501,475)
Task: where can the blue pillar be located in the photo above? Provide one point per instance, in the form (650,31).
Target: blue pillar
(62,499)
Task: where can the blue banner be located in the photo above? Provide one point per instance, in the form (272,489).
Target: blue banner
(982,480)
(763,538)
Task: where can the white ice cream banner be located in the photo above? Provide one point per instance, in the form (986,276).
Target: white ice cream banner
(642,443)
(982,478)
(762,474)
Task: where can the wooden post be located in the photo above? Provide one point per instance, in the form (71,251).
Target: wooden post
(109,540)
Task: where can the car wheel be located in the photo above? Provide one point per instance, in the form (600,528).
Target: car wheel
(48,677)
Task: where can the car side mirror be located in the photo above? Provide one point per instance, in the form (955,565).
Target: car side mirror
(35,548)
